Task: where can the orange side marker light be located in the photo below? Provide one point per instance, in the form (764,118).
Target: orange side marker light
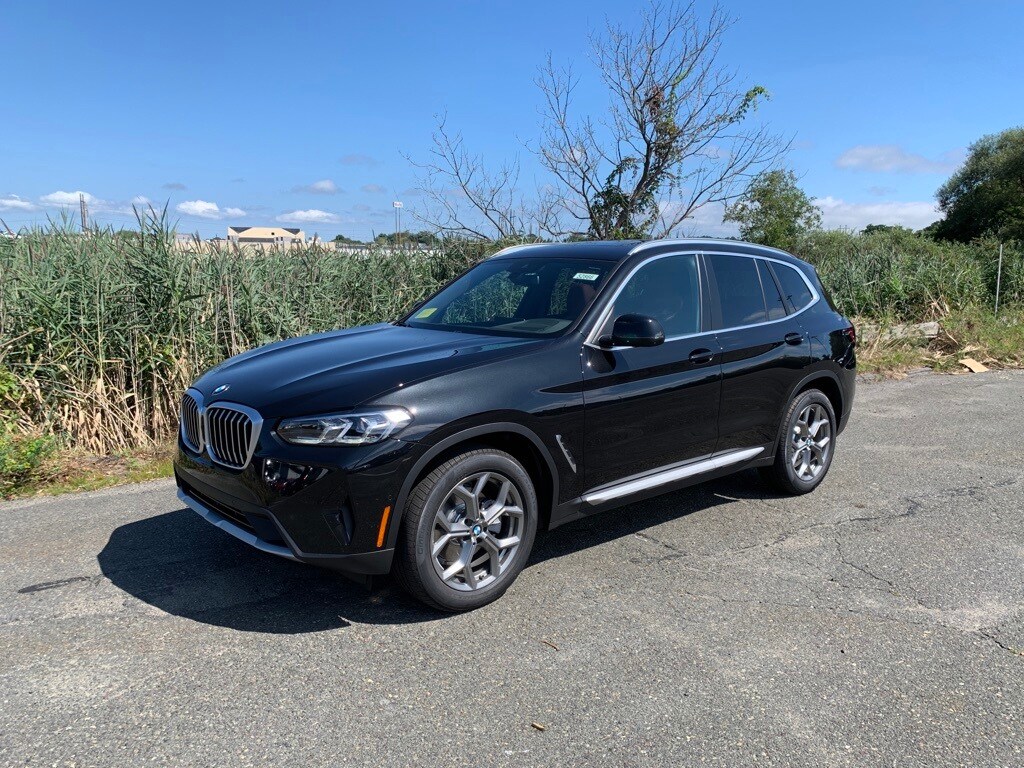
(383,526)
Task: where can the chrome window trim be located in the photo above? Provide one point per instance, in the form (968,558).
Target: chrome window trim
(197,396)
(257,425)
(591,340)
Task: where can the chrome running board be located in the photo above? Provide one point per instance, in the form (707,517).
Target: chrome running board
(670,475)
(228,527)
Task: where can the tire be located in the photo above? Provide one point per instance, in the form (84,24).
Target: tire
(450,564)
(804,452)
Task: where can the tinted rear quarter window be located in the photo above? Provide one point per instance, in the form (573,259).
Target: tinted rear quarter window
(772,297)
(793,286)
(739,290)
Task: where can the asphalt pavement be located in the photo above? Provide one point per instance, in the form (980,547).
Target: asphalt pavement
(875,622)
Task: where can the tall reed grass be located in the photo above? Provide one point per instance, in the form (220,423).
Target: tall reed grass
(103,333)
(99,335)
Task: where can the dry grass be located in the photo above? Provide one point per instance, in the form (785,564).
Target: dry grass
(99,335)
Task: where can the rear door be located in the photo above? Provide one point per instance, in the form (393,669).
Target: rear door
(764,349)
(648,407)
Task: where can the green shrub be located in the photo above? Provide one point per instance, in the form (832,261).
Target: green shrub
(22,459)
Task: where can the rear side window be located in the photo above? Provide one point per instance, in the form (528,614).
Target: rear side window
(772,297)
(793,286)
(739,290)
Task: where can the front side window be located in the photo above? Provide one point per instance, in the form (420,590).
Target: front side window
(515,297)
(666,289)
(741,299)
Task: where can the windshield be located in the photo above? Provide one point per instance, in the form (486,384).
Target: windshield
(515,297)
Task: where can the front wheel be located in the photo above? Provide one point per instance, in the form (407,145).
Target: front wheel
(806,445)
(468,530)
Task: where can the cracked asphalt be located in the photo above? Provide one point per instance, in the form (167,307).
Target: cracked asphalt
(877,621)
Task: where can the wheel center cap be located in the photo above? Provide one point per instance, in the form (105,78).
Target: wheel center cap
(477,530)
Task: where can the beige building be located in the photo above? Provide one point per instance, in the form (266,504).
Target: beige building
(283,237)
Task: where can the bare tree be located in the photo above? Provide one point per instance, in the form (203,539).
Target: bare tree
(677,136)
(464,198)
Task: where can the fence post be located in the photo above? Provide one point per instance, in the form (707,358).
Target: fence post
(999,277)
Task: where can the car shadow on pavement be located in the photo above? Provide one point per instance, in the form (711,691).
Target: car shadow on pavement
(181,565)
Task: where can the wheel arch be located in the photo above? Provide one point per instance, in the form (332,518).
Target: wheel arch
(823,379)
(510,437)
(829,384)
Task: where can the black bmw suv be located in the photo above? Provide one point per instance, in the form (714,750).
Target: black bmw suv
(547,383)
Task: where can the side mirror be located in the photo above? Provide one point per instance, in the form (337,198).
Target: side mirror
(635,331)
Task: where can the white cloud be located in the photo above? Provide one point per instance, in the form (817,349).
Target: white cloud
(67,198)
(141,200)
(312,216)
(358,159)
(322,187)
(373,189)
(892,158)
(837,213)
(15,203)
(206,210)
(706,221)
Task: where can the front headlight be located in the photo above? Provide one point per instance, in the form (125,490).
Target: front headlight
(344,429)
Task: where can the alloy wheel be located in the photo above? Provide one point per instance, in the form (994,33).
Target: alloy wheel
(811,442)
(477,531)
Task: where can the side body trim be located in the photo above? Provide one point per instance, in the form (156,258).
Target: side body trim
(670,475)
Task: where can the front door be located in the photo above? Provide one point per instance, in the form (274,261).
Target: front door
(648,407)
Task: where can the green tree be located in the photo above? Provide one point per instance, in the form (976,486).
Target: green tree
(986,195)
(774,211)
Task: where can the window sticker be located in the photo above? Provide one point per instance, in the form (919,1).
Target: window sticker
(588,276)
(425,313)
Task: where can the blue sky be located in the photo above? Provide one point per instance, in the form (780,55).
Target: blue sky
(300,114)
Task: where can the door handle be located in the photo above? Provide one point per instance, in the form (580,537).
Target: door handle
(701,356)
(794,338)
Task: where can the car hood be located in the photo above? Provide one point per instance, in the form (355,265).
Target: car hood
(343,369)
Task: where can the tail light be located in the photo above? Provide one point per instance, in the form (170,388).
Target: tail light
(851,334)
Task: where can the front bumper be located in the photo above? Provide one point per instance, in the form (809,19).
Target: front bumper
(331,513)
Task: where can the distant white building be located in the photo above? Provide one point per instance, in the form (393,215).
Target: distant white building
(284,237)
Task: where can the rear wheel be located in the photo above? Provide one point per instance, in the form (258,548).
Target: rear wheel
(806,445)
(468,530)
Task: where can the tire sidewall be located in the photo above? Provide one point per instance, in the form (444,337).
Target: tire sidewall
(813,396)
(423,562)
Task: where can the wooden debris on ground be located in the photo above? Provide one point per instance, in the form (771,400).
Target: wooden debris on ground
(973,365)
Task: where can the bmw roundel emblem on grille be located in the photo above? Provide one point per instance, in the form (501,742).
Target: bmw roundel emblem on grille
(222,388)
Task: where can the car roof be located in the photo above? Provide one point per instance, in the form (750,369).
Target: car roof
(620,250)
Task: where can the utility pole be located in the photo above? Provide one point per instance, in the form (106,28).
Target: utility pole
(999,277)
(398,222)
(83,208)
